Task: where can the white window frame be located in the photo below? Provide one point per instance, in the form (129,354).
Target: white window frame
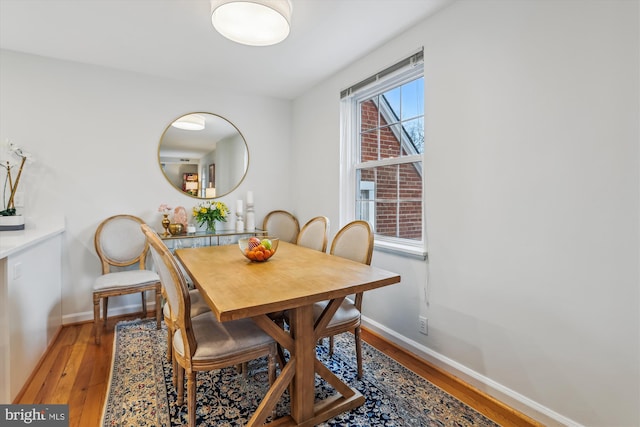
(349,160)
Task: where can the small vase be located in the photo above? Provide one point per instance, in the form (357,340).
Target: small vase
(211,227)
(165,224)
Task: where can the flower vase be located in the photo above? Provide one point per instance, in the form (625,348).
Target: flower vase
(165,224)
(211,227)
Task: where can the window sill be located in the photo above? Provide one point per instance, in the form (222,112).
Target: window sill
(403,250)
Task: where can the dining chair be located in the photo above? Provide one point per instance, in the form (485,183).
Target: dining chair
(120,245)
(198,306)
(355,242)
(202,343)
(313,234)
(281,224)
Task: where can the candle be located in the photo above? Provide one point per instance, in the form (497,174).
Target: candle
(239,206)
(249,197)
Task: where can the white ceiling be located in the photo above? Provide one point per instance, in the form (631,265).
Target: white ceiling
(175,38)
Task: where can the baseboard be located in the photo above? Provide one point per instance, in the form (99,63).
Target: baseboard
(86,316)
(496,390)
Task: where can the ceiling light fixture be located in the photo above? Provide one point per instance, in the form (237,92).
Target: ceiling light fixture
(252,22)
(189,122)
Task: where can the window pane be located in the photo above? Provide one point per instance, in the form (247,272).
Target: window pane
(386,219)
(413,99)
(368,114)
(391,104)
(413,136)
(390,137)
(411,181)
(410,220)
(369,145)
(387,182)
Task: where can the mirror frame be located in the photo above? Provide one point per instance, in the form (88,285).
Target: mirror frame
(218,195)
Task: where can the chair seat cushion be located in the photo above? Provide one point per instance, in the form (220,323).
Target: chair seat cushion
(347,313)
(198,304)
(222,339)
(121,279)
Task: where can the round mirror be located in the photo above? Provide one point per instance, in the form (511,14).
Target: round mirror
(203,155)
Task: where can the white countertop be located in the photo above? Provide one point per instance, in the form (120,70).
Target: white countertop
(34,232)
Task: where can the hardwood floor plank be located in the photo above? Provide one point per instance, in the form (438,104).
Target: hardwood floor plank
(47,391)
(83,382)
(72,367)
(76,371)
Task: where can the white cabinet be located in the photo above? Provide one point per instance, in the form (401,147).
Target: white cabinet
(30,302)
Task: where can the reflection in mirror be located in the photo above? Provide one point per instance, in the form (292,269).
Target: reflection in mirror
(203,155)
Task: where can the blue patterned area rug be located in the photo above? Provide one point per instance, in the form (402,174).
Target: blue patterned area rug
(141,392)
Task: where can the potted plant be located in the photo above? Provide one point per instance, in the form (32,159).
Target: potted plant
(9,218)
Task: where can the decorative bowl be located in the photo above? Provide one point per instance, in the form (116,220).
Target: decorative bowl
(176,228)
(258,249)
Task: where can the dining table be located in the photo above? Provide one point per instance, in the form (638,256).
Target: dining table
(293,279)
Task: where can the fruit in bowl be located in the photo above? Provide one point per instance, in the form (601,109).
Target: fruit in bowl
(258,249)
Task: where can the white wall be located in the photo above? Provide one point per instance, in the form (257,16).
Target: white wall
(532,186)
(94,133)
(531,179)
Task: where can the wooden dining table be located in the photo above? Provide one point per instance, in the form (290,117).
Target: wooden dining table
(293,279)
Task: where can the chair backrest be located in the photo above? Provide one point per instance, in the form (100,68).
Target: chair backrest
(282,224)
(120,243)
(175,287)
(354,241)
(313,234)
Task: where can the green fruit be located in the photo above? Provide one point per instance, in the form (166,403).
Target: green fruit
(266,243)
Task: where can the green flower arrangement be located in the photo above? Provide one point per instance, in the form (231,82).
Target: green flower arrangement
(209,212)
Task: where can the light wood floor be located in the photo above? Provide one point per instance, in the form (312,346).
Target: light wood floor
(76,371)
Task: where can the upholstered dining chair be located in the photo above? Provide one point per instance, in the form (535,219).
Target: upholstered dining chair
(355,242)
(201,343)
(313,234)
(198,306)
(120,244)
(282,224)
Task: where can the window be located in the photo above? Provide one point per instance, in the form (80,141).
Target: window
(382,122)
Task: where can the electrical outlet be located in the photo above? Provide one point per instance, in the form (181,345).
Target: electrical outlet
(423,325)
(17,270)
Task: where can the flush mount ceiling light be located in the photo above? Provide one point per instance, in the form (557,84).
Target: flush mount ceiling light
(189,122)
(252,22)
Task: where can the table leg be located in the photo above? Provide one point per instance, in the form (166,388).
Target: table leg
(304,352)
(300,372)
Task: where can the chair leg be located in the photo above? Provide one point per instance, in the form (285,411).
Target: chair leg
(144,304)
(96,318)
(169,342)
(180,385)
(191,397)
(158,310)
(281,358)
(105,304)
(272,377)
(331,345)
(174,377)
(356,333)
